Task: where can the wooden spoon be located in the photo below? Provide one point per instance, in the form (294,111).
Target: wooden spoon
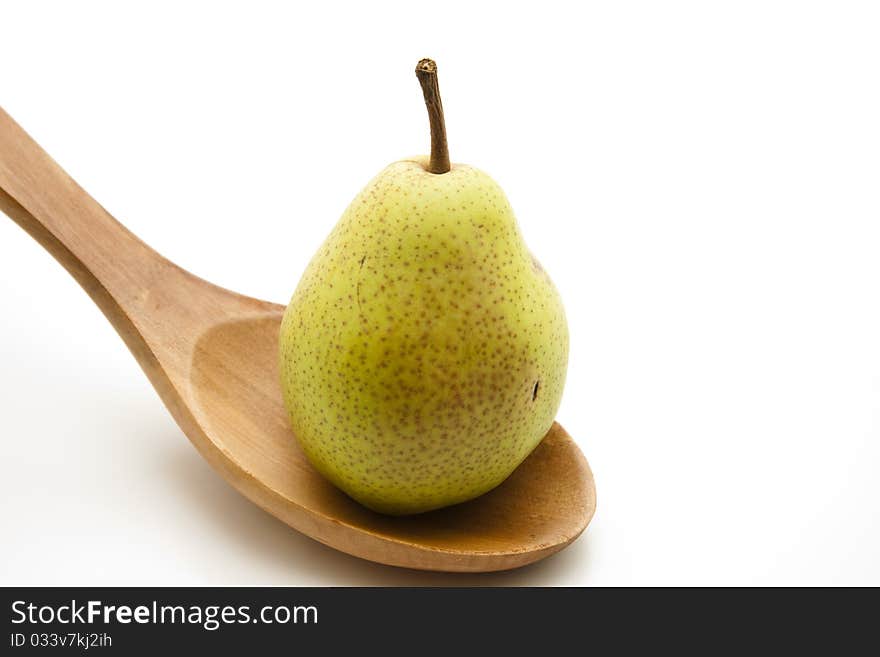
(212,356)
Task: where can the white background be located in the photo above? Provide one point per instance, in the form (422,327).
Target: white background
(702,181)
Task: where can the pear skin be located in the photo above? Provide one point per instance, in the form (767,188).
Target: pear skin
(424,352)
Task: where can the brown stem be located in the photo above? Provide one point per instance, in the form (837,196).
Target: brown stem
(426,72)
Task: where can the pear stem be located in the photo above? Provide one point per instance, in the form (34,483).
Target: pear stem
(426,72)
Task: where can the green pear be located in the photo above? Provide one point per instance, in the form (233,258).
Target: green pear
(424,352)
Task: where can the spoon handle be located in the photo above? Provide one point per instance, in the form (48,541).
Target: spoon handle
(110,263)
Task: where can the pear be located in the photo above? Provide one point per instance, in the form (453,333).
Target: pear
(424,352)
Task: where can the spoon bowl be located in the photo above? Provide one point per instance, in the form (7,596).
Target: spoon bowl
(212,356)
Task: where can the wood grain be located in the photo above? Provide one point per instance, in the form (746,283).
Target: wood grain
(212,356)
